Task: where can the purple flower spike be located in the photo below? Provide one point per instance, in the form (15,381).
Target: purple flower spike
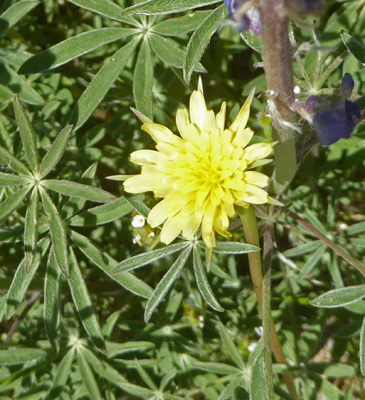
(248,20)
(334,118)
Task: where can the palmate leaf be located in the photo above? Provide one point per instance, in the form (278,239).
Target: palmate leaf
(58,234)
(165,283)
(102,214)
(72,48)
(201,38)
(142,81)
(27,134)
(149,257)
(152,7)
(146,378)
(234,248)
(75,189)
(107,264)
(15,13)
(83,304)
(17,84)
(52,293)
(55,151)
(99,86)
(339,297)
(202,282)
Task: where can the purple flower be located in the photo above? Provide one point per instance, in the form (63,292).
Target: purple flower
(245,18)
(334,118)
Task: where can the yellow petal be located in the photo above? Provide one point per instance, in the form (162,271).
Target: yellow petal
(182,119)
(197,109)
(142,157)
(221,117)
(244,113)
(243,136)
(254,195)
(171,228)
(257,151)
(256,178)
(159,133)
(142,183)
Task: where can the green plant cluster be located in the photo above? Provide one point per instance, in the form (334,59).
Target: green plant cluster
(94,308)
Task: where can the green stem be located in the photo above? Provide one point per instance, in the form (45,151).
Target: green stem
(249,223)
(266,308)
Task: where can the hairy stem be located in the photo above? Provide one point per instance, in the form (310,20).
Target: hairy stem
(277,56)
(249,223)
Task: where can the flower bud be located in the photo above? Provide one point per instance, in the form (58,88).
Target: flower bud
(245,17)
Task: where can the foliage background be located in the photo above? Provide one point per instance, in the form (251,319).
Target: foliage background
(55,349)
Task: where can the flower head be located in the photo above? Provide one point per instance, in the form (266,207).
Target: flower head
(203,174)
(244,15)
(334,118)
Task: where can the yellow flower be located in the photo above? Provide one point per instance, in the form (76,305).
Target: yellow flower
(201,175)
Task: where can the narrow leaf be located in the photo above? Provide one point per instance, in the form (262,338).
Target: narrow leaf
(22,279)
(87,376)
(100,85)
(76,204)
(165,283)
(339,297)
(201,38)
(169,52)
(142,82)
(117,349)
(179,26)
(62,373)
(146,258)
(362,348)
(258,385)
(137,204)
(11,180)
(58,234)
(83,304)
(52,293)
(152,7)
(109,373)
(230,390)
(146,378)
(17,355)
(7,159)
(27,134)
(356,48)
(55,152)
(202,282)
(31,229)
(313,260)
(106,263)
(73,47)
(17,84)
(217,368)
(230,346)
(75,189)
(234,248)
(105,8)
(15,13)
(13,202)
(253,41)
(102,214)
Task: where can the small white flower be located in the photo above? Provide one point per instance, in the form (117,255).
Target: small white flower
(252,347)
(138,221)
(259,331)
(297,89)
